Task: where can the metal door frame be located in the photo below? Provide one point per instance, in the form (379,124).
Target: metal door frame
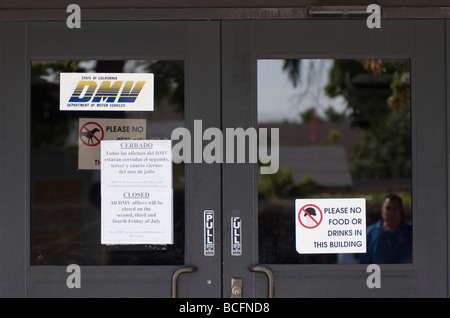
(242,42)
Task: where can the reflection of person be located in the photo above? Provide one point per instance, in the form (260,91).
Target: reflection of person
(389,240)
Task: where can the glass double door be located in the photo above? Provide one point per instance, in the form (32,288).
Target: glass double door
(259,115)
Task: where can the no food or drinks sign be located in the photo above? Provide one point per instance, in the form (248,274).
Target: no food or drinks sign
(330,225)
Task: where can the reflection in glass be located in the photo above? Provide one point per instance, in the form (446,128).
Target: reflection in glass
(65,200)
(345,132)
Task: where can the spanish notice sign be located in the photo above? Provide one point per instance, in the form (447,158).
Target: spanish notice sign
(136,189)
(325,226)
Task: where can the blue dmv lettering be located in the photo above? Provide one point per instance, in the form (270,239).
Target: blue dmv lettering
(107,91)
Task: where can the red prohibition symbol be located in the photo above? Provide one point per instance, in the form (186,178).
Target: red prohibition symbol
(310,212)
(87,134)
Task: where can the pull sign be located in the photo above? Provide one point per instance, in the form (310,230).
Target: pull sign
(236,236)
(208,244)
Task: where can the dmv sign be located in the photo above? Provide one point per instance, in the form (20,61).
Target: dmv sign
(326,226)
(106,91)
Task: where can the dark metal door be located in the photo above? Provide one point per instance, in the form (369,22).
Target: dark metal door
(360,59)
(57,223)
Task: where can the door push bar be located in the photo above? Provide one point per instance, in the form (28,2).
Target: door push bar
(189,269)
(270,277)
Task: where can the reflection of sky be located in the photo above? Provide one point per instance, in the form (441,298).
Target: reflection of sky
(279,100)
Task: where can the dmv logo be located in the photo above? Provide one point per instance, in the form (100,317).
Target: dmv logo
(106,91)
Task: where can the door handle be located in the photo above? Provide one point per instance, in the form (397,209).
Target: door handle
(189,269)
(270,277)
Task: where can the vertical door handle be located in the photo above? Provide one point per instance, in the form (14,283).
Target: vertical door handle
(189,269)
(270,277)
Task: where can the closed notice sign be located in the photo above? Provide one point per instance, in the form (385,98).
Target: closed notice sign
(137,192)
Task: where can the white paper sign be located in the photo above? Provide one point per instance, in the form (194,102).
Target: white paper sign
(330,225)
(106,91)
(136,187)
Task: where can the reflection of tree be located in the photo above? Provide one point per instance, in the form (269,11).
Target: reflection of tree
(366,94)
(169,82)
(378,101)
(333,116)
(385,151)
(283,185)
(309,75)
(330,113)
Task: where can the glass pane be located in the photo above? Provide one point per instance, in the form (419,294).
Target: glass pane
(65,200)
(344,132)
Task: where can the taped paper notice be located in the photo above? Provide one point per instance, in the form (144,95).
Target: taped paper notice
(137,195)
